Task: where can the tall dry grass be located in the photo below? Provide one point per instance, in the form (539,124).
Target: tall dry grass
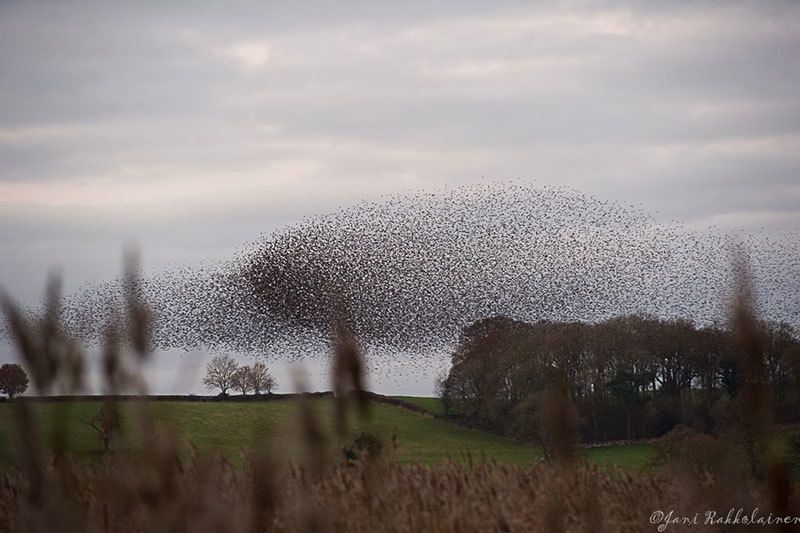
(155,486)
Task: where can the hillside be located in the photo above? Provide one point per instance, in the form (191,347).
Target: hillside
(232,427)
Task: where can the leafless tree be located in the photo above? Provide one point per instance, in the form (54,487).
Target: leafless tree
(220,373)
(106,423)
(261,379)
(242,379)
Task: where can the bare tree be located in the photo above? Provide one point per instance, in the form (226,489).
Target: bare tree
(242,379)
(270,383)
(106,423)
(220,373)
(261,379)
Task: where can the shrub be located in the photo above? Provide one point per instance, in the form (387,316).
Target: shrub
(684,449)
(366,445)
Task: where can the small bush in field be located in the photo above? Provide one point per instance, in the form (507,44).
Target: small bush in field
(107,425)
(686,448)
(364,444)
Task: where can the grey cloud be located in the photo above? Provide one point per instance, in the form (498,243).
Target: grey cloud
(648,103)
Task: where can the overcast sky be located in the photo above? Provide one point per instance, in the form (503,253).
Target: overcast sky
(191,130)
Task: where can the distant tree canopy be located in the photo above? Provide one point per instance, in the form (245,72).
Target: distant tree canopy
(13,379)
(629,377)
(223,373)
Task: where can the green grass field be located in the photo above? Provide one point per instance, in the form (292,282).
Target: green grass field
(627,456)
(234,427)
(432,405)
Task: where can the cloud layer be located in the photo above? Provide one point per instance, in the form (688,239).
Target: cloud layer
(193,129)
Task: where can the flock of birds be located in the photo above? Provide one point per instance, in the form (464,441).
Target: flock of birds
(408,272)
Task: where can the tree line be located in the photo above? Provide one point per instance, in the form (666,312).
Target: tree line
(626,378)
(225,374)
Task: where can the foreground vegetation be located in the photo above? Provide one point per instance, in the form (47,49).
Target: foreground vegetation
(154,492)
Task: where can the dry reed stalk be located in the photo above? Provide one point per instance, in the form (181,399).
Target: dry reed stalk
(759,424)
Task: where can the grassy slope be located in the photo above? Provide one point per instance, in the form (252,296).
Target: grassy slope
(432,405)
(232,427)
(628,456)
